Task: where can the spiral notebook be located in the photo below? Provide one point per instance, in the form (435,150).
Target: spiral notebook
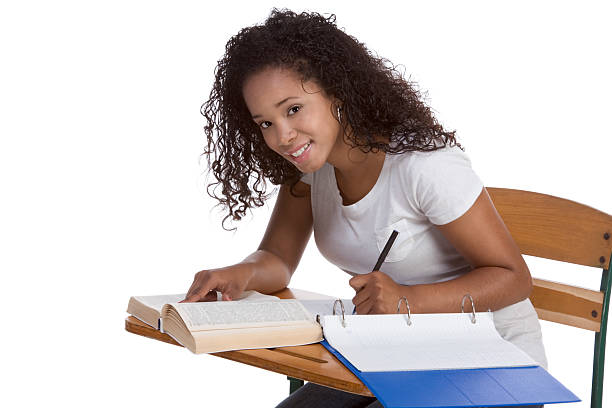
(438,360)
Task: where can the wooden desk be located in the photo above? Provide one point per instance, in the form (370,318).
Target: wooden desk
(310,363)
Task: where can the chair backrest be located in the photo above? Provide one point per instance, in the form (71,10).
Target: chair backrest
(555,228)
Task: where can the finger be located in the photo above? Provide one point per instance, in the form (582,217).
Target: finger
(188,299)
(365,307)
(359,281)
(231,292)
(211,296)
(359,305)
(192,296)
(208,287)
(361,296)
(189,293)
(202,292)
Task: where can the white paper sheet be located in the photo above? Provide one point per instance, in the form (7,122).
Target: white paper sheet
(433,342)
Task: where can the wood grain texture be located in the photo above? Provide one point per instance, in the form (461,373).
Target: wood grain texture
(555,228)
(565,304)
(309,363)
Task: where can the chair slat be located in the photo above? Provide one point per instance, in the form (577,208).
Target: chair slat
(555,228)
(567,304)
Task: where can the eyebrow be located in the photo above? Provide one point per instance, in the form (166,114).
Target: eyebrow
(278,104)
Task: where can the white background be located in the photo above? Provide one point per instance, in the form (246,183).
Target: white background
(103,191)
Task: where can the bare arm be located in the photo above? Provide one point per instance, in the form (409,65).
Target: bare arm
(500,276)
(283,244)
(270,267)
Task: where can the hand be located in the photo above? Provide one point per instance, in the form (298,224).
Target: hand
(377,293)
(231,281)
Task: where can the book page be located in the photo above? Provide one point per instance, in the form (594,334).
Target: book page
(156,302)
(238,314)
(433,342)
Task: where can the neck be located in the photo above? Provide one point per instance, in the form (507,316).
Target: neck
(356,172)
(351,164)
(358,166)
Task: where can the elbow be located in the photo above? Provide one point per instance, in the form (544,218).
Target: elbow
(524,281)
(287,278)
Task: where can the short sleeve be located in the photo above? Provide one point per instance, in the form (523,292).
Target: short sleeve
(306,178)
(446,185)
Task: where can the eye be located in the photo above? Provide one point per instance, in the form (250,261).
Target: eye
(292,111)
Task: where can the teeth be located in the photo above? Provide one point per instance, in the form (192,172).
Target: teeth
(299,152)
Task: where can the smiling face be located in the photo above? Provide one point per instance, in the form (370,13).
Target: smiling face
(295,118)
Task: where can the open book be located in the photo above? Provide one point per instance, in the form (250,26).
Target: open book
(147,309)
(209,327)
(252,321)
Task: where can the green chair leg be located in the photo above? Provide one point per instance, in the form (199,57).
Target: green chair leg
(294,384)
(600,344)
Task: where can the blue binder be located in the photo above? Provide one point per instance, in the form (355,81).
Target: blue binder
(483,387)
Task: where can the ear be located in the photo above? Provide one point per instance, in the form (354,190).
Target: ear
(337,102)
(336,108)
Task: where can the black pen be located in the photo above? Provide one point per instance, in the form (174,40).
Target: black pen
(383,255)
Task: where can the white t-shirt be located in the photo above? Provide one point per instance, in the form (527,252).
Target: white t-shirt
(414,192)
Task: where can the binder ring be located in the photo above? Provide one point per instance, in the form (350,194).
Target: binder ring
(341,308)
(407,307)
(473,316)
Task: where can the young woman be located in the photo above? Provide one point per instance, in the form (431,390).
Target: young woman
(357,154)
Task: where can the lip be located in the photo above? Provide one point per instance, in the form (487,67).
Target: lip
(289,153)
(303,157)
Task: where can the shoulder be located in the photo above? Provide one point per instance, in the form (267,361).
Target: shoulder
(415,166)
(441,184)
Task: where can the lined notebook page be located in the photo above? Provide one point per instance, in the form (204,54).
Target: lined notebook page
(442,341)
(324,307)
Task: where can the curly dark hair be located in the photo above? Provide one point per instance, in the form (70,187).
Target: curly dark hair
(375,99)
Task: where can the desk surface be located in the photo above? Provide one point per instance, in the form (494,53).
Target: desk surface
(310,363)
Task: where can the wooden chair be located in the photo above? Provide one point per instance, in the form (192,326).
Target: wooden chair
(554,228)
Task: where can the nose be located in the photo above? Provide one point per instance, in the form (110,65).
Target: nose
(286,134)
